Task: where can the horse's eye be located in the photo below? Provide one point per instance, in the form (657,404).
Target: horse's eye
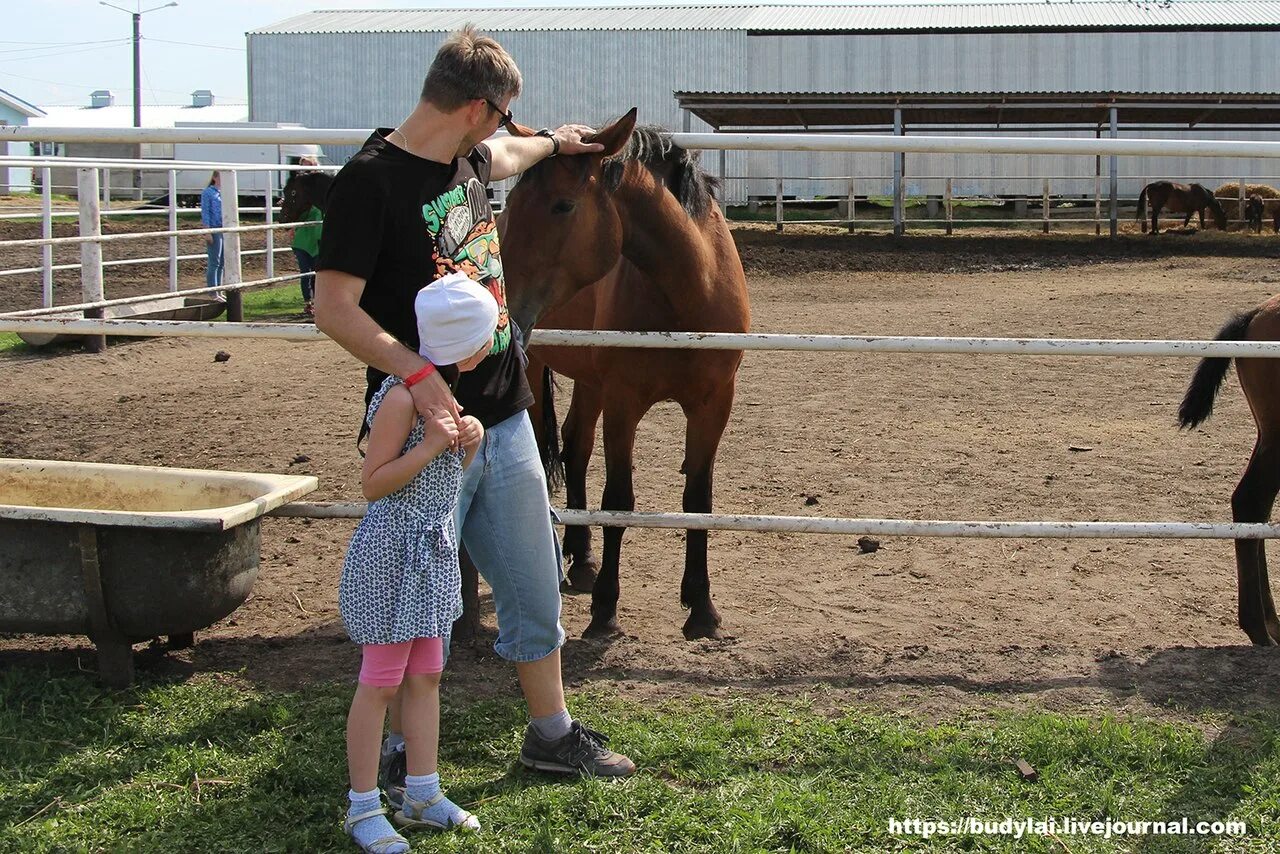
(563,206)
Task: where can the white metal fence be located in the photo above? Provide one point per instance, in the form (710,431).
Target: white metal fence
(91,268)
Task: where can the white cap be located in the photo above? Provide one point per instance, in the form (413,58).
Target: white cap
(456,317)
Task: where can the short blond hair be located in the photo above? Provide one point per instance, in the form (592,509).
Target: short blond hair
(470,65)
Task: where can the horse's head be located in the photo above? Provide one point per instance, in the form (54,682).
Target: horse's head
(1219,212)
(560,230)
(301,191)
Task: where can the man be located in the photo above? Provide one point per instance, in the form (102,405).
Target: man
(411,207)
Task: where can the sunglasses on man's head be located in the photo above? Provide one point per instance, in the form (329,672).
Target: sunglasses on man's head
(507,116)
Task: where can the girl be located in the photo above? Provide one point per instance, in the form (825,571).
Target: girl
(211,217)
(401,590)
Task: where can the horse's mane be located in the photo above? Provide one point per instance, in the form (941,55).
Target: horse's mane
(651,147)
(678,169)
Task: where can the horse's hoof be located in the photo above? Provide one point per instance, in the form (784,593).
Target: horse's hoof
(700,630)
(1262,638)
(581,577)
(603,629)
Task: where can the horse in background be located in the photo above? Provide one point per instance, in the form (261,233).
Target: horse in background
(1255,495)
(301,191)
(1178,198)
(630,240)
(1253,212)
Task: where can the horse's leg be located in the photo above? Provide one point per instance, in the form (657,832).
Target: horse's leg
(706,422)
(579,434)
(1155,215)
(620,420)
(467,627)
(1252,502)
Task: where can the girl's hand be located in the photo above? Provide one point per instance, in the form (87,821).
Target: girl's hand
(440,427)
(470,434)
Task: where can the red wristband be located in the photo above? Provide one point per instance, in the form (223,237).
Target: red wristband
(420,375)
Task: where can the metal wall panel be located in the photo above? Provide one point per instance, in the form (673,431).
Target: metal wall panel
(371,79)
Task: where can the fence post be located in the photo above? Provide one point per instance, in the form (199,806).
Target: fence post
(173,226)
(1113,166)
(724,188)
(269,217)
(777,206)
(899,164)
(90,251)
(1097,190)
(231,244)
(106,189)
(1242,195)
(46,232)
(1045,202)
(853,209)
(948,198)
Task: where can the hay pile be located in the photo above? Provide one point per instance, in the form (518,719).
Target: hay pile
(1229,195)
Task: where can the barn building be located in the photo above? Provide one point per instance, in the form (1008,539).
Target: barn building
(1190,68)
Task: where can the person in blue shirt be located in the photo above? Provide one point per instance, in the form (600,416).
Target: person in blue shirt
(211,217)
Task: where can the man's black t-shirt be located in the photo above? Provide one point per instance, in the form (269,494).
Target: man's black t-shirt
(399,222)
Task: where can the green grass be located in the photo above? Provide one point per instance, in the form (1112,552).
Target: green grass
(273,303)
(212,766)
(11,343)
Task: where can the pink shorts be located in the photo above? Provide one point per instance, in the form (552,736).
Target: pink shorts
(386,664)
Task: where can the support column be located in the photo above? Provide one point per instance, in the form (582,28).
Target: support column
(1114,164)
(1097,188)
(899,166)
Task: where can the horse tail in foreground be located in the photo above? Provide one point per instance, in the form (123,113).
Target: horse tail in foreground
(552,460)
(1197,404)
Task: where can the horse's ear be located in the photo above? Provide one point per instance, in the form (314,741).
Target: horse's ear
(615,136)
(517,129)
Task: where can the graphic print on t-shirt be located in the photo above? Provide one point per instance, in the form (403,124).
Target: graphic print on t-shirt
(464,238)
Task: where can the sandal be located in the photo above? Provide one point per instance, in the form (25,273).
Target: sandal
(382,845)
(411,815)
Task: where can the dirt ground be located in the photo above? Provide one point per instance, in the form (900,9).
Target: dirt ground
(923,624)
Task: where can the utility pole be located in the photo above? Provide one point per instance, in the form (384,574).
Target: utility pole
(137,14)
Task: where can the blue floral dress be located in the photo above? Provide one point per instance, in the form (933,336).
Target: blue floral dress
(400,579)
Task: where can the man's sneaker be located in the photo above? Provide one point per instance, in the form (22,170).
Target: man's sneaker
(392,768)
(582,751)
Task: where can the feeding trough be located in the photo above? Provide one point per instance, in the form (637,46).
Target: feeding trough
(164,308)
(128,553)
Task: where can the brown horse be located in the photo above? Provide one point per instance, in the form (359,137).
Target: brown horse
(301,191)
(632,240)
(1253,212)
(1178,198)
(1256,493)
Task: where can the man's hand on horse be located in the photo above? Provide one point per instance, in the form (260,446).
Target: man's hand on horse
(570,139)
(433,393)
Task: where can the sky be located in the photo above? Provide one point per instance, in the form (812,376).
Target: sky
(55,52)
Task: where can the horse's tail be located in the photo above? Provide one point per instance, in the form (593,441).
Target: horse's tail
(1197,404)
(552,461)
(1142,204)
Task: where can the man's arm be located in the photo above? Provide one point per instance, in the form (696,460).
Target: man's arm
(339,315)
(511,155)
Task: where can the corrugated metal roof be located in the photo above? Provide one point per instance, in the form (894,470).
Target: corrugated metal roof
(121,115)
(1180,14)
(1088,14)
(18,105)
